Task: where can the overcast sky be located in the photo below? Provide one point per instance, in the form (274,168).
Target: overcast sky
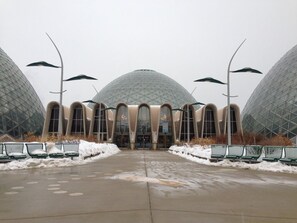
(183,39)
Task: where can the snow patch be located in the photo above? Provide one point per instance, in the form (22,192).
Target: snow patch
(92,151)
(203,154)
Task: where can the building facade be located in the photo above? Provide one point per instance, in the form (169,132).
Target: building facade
(142,110)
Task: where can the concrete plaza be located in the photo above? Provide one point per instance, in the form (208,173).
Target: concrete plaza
(146,187)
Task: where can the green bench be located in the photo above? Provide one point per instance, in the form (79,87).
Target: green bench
(55,150)
(71,150)
(235,152)
(3,156)
(36,150)
(15,151)
(218,152)
(272,153)
(290,157)
(252,153)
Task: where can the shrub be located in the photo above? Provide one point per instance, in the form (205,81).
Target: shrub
(235,139)
(203,141)
(252,138)
(277,140)
(30,137)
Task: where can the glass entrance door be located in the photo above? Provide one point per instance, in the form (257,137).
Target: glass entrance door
(143,131)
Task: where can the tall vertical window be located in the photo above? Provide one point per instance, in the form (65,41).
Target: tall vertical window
(165,128)
(209,123)
(143,130)
(122,120)
(187,120)
(143,121)
(232,121)
(102,119)
(77,127)
(54,120)
(121,133)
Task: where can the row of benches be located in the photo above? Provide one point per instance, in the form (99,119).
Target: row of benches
(254,153)
(17,151)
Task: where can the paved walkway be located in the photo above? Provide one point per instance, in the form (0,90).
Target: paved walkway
(146,187)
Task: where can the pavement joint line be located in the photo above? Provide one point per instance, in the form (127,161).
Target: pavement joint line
(70,214)
(148,189)
(227,214)
(162,210)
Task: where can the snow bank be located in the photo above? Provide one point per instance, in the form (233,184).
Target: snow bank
(92,151)
(203,154)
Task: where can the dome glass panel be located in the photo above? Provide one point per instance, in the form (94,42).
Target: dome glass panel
(144,86)
(272,107)
(21,110)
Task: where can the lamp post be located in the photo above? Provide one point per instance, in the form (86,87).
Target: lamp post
(228,96)
(209,79)
(79,77)
(43,63)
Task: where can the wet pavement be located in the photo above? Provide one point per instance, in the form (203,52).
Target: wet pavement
(147,187)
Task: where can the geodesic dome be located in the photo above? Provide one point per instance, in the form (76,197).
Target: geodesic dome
(21,110)
(272,107)
(144,86)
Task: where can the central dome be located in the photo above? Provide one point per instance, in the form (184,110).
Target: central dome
(144,86)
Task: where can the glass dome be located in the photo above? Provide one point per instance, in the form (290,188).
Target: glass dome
(21,110)
(272,107)
(144,86)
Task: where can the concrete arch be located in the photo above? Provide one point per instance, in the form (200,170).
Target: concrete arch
(202,123)
(166,130)
(223,119)
(132,117)
(99,112)
(85,123)
(187,124)
(155,121)
(48,121)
